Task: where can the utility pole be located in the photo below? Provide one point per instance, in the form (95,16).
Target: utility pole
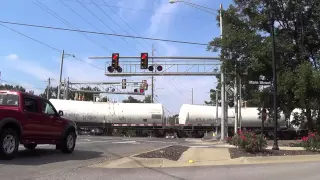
(240,103)
(274,83)
(49,87)
(235,94)
(152,77)
(217,109)
(224,130)
(191,95)
(60,77)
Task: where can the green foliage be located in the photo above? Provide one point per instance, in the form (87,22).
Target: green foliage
(246,38)
(249,141)
(10,87)
(131,99)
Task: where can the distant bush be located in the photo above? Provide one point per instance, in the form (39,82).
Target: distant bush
(311,142)
(249,141)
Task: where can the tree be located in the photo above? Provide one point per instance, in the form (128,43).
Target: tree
(147,99)
(131,100)
(10,87)
(246,38)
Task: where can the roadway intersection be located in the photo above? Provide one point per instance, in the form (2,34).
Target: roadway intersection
(45,163)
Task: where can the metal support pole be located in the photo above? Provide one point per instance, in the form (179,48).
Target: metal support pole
(48,88)
(235,94)
(152,77)
(191,95)
(60,77)
(65,89)
(217,109)
(224,130)
(240,103)
(223,106)
(274,69)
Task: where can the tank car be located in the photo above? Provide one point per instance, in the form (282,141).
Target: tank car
(104,112)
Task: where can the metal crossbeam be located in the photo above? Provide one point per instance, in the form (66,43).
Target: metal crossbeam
(199,68)
(95,92)
(160,57)
(105,87)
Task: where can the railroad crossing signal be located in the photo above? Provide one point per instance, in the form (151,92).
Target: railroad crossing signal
(115,60)
(124,83)
(144,85)
(144,61)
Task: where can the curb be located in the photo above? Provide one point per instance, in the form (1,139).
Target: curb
(164,163)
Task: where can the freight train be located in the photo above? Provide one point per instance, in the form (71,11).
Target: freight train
(146,119)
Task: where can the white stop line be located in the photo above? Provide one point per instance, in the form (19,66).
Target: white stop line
(124,142)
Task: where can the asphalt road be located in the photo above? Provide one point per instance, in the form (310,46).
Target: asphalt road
(46,161)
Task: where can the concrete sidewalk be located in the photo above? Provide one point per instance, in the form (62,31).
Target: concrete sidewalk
(203,157)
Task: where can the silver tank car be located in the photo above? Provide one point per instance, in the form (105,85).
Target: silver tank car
(105,112)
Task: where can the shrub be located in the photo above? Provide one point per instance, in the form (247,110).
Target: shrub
(311,142)
(249,141)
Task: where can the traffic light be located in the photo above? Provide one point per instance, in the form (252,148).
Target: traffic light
(135,90)
(144,61)
(124,83)
(115,60)
(144,85)
(159,68)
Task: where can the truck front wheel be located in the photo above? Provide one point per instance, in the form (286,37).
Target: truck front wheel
(9,144)
(69,142)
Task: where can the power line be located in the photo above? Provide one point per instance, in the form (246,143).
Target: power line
(125,23)
(107,26)
(147,11)
(115,22)
(51,47)
(48,10)
(101,33)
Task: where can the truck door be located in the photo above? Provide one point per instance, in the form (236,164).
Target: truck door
(33,128)
(53,124)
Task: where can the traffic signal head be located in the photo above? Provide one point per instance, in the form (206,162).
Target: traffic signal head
(144,61)
(159,68)
(124,83)
(115,60)
(110,69)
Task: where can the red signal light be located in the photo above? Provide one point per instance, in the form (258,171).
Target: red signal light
(115,56)
(144,56)
(141,90)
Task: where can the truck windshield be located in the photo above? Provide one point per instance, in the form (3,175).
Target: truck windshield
(9,99)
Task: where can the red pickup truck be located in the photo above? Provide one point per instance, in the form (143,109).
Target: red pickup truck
(31,120)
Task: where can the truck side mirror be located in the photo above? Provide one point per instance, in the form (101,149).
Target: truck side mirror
(60,113)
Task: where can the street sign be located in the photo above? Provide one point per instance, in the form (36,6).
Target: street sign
(260,82)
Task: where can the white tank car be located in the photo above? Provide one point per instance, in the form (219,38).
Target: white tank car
(99,112)
(201,114)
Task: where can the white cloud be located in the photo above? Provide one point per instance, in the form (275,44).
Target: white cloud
(12,57)
(29,67)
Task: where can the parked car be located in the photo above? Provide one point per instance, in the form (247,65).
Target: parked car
(31,120)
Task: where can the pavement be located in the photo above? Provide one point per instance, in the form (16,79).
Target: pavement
(45,160)
(97,157)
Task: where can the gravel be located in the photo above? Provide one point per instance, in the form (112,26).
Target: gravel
(171,153)
(236,153)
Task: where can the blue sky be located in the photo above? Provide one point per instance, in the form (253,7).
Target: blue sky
(29,63)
